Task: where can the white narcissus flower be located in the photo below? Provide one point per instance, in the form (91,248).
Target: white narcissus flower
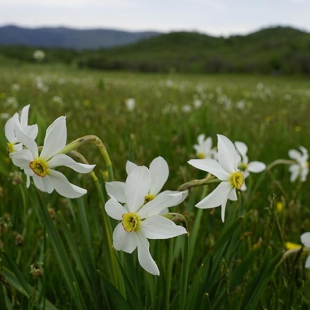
(20,122)
(305,240)
(204,147)
(245,165)
(159,171)
(301,168)
(225,168)
(41,166)
(141,220)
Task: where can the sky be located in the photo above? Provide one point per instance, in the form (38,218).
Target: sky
(213,17)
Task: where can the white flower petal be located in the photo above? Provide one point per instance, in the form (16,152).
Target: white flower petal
(216,198)
(305,239)
(124,241)
(241,148)
(210,165)
(24,116)
(64,187)
(294,170)
(233,195)
(307,264)
(55,138)
(137,187)
(117,190)
(9,128)
(256,166)
(43,184)
(159,174)
(182,198)
(27,141)
(115,209)
(130,166)
(201,139)
(226,153)
(158,204)
(159,227)
(145,259)
(223,209)
(22,158)
(65,160)
(294,155)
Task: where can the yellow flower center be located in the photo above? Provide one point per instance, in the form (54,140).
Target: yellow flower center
(201,155)
(39,167)
(130,222)
(237,179)
(148,198)
(10,147)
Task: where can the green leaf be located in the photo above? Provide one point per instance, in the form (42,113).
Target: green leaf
(116,297)
(257,287)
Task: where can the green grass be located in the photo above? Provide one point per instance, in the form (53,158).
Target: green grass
(232,265)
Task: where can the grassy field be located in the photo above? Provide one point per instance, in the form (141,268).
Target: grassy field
(231,265)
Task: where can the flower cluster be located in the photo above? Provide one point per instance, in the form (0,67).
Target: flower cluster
(141,209)
(39,165)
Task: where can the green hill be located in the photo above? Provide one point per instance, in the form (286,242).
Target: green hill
(279,50)
(274,50)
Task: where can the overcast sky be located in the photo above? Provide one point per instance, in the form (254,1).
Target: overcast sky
(214,17)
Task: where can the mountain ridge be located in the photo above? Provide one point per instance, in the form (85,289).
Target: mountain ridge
(70,38)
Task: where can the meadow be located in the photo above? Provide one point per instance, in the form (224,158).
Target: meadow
(57,252)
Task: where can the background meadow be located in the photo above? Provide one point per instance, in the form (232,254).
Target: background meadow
(231,265)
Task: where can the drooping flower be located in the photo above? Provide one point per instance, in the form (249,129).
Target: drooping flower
(20,122)
(245,165)
(301,168)
(225,168)
(141,219)
(305,240)
(159,172)
(204,147)
(41,166)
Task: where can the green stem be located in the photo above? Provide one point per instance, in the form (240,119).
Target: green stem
(95,140)
(280,161)
(192,183)
(169,274)
(184,276)
(106,222)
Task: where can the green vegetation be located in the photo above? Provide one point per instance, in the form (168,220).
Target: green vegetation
(231,265)
(273,51)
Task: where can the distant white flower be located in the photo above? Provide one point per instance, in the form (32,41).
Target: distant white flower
(5,115)
(40,167)
(305,240)
(159,172)
(58,100)
(38,55)
(186,108)
(204,147)
(41,85)
(11,102)
(197,103)
(130,104)
(245,165)
(225,168)
(141,220)
(301,168)
(15,87)
(20,122)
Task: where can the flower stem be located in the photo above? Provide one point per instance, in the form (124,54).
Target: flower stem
(106,222)
(207,180)
(280,161)
(95,140)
